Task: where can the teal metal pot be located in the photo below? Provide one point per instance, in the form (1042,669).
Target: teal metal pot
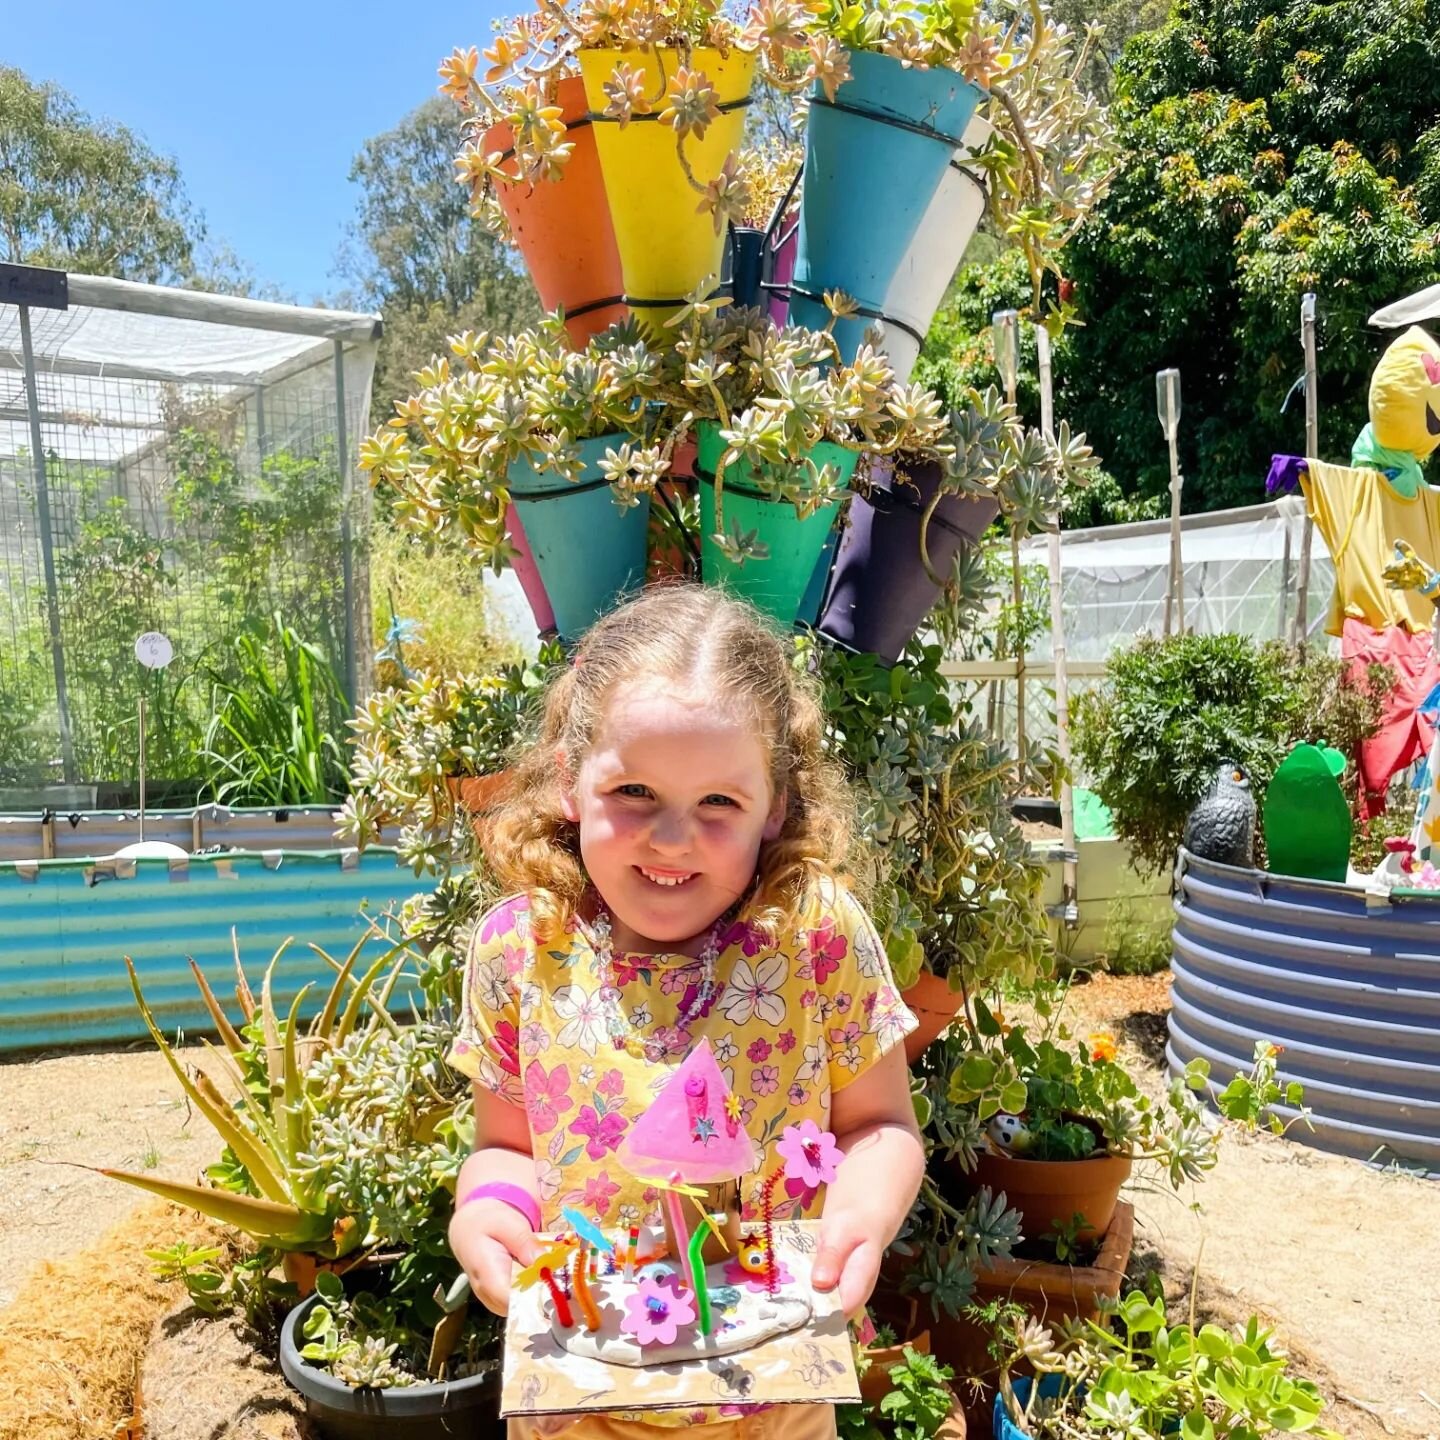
(588,551)
(874,158)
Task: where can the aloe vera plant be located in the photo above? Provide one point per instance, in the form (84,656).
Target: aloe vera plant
(269,1187)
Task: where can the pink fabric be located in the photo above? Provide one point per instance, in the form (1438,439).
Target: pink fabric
(1404,735)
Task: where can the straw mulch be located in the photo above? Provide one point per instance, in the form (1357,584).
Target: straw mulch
(73,1339)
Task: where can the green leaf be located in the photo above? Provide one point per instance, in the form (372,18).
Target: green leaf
(1196,1426)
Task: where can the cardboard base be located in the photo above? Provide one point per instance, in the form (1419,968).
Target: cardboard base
(812,1363)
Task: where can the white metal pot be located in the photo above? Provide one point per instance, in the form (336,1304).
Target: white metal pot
(934,254)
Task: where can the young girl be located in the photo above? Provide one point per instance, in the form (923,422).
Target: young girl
(674,838)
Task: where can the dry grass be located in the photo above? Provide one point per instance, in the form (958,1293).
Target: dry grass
(73,1339)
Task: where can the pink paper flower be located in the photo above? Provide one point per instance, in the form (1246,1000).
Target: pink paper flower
(810,1153)
(656,1311)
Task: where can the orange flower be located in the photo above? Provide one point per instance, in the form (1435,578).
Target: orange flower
(1102,1045)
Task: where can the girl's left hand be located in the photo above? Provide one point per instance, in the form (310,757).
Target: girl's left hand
(848,1256)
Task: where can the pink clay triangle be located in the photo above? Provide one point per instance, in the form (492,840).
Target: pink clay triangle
(688,1129)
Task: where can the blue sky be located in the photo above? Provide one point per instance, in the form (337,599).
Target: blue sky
(263,104)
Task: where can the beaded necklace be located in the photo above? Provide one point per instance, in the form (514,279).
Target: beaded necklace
(620,1027)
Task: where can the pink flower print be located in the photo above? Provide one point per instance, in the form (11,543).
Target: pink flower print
(823,952)
(656,1310)
(603,1132)
(504,918)
(843,1001)
(759,1050)
(868,1003)
(750,938)
(747,1109)
(612,1084)
(547,1097)
(692,994)
(626,972)
(534,1040)
(600,1191)
(802,1194)
(765,1079)
(845,1035)
(671,1041)
(514,960)
(810,1153)
(504,1045)
(675,980)
(807,998)
(786,1043)
(797,1095)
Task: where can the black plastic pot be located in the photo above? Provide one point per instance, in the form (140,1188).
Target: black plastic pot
(1040,809)
(879,589)
(468,1407)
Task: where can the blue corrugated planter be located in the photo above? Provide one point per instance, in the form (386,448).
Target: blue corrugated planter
(1348,985)
(874,158)
(66,926)
(590,553)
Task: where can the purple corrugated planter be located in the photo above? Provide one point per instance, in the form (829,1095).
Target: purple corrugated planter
(879,590)
(782,269)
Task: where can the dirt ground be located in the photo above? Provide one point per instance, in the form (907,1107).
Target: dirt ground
(1343,1260)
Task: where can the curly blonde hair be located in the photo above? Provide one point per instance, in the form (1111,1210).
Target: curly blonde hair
(697,640)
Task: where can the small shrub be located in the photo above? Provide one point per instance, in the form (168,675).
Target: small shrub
(1169,712)
(1136,941)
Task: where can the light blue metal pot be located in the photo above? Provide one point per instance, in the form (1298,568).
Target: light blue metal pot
(589,552)
(874,158)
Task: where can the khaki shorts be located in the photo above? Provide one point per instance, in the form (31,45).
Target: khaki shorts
(780,1422)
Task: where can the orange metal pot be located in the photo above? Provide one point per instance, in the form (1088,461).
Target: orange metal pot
(563,226)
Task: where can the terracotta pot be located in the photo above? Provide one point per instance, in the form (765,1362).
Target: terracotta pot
(300,1268)
(668,557)
(478,793)
(1050,1193)
(935,1005)
(875,1383)
(1050,1291)
(563,226)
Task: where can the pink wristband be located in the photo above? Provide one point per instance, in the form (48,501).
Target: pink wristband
(507,1194)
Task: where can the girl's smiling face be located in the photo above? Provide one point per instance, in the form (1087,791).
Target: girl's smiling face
(672,802)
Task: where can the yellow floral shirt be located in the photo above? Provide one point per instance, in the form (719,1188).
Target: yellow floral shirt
(790,1024)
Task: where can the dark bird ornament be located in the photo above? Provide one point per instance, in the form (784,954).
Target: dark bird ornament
(1222,826)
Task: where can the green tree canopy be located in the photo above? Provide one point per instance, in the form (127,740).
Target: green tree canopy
(87,195)
(417,254)
(1272,147)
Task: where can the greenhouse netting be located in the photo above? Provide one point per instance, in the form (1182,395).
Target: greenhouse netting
(178,462)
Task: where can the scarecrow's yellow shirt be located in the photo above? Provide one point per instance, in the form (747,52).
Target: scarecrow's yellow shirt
(1361,516)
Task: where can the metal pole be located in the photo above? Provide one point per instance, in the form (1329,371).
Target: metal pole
(347,560)
(1167,406)
(47,548)
(142,767)
(1006,324)
(1312,448)
(1057,642)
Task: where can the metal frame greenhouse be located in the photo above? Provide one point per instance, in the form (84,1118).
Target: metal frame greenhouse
(175,461)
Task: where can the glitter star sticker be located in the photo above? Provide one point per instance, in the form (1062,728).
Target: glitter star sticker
(705,1129)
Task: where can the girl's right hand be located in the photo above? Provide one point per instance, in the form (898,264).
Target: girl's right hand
(489,1238)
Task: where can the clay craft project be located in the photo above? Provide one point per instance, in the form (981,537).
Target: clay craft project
(703,1312)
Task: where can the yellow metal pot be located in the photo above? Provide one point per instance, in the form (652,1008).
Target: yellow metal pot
(666,247)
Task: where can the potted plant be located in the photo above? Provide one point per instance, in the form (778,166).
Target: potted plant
(432,744)
(952,883)
(341,1151)
(531,165)
(1058,1123)
(780,427)
(1150,1378)
(905,1393)
(567,435)
(896,85)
